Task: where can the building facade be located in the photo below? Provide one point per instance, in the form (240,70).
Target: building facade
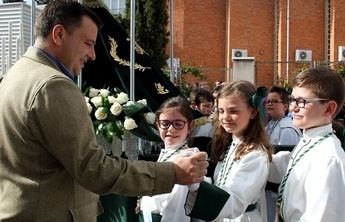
(15,32)
(281,35)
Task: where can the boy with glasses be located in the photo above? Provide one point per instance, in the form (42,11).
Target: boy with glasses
(280,132)
(279,129)
(312,176)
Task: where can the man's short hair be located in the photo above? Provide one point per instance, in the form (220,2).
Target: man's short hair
(68,13)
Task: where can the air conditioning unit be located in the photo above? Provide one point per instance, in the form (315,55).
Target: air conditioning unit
(303,55)
(238,53)
(341,54)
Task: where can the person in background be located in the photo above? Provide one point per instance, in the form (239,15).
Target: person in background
(51,166)
(312,176)
(205,85)
(242,153)
(215,91)
(279,129)
(203,101)
(280,132)
(174,121)
(203,132)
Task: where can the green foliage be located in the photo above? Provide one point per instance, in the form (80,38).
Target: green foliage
(285,82)
(340,69)
(194,71)
(300,68)
(151,28)
(182,84)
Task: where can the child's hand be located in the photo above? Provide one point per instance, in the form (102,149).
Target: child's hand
(186,153)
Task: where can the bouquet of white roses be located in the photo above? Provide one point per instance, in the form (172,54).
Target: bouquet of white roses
(113,113)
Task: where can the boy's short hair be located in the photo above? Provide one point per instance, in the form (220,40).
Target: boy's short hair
(203,95)
(324,82)
(281,91)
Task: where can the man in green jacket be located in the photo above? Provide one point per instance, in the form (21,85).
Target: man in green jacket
(51,167)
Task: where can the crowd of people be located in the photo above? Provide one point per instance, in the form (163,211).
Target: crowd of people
(288,166)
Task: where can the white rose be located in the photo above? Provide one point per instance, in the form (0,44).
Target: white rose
(104,92)
(100,113)
(97,101)
(116,108)
(89,107)
(130,124)
(122,97)
(87,99)
(143,101)
(111,99)
(150,117)
(93,92)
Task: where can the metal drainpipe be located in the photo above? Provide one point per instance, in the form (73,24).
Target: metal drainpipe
(287,38)
(172,74)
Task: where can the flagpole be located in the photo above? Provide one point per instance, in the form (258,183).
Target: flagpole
(80,76)
(132,52)
(172,75)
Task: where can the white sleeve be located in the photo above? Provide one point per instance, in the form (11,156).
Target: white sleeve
(288,136)
(278,166)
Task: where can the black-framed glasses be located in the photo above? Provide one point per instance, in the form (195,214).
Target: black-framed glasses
(272,101)
(177,124)
(300,102)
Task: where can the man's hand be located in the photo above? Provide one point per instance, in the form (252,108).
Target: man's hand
(192,169)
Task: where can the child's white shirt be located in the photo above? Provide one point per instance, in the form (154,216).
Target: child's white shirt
(315,188)
(245,184)
(281,132)
(170,205)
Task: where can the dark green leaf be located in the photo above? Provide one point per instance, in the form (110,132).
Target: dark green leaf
(145,131)
(134,109)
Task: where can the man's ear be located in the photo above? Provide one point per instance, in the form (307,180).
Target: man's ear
(331,108)
(58,33)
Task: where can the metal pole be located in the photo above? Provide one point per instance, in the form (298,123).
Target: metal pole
(9,45)
(80,76)
(21,39)
(32,34)
(132,52)
(3,70)
(18,49)
(287,38)
(172,79)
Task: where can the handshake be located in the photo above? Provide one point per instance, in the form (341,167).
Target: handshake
(191,167)
(186,153)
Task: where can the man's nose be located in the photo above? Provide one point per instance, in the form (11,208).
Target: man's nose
(92,54)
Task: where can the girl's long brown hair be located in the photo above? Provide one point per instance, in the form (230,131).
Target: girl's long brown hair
(254,137)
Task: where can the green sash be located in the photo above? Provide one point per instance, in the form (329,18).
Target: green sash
(206,194)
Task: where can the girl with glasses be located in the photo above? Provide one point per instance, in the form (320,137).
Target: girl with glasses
(242,154)
(174,122)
